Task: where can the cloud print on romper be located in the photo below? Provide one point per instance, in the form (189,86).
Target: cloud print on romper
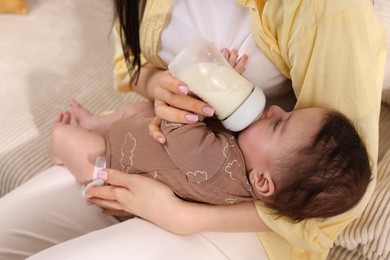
(232,167)
(127,152)
(197,176)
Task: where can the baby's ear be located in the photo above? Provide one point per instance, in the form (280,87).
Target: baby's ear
(262,183)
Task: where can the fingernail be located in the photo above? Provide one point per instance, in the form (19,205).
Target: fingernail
(182,89)
(102,174)
(208,111)
(192,117)
(160,140)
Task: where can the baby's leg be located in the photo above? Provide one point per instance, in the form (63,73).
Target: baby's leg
(99,123)
(75,147)
(61,119)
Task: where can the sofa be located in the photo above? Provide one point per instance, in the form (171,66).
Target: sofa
(53,51)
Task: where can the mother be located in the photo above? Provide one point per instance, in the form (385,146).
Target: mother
(333,52)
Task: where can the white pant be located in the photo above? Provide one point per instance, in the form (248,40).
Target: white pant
(48,210)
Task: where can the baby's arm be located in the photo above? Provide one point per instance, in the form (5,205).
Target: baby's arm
(199,146)
(75,147)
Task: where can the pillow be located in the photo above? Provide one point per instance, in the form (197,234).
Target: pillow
(382,8)
(368,237)
(13,6)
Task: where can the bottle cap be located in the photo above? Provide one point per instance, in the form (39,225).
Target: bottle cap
(247,113)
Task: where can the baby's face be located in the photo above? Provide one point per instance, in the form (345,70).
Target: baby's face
(278,132)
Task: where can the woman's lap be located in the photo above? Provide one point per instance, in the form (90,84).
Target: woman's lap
(45,211)
(49,210)
(139,239)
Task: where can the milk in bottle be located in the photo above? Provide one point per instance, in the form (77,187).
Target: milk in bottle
(236,101)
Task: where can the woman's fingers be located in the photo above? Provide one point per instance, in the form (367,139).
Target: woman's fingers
(108,192)
(106,204)
(176,114)
(173,104)
(136,194)
(179,108)
(124,187)
(173,85)
(115,196)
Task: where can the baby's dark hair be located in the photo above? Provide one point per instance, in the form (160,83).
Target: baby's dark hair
(326,178)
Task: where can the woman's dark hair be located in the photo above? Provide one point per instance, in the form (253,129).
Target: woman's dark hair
(326,178)
(129,14)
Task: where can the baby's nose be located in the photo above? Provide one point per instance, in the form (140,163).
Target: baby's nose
(274,111)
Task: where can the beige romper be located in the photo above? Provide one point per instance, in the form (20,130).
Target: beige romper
(199,162)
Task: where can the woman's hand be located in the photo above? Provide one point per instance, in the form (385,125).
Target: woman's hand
(134,194)
(154,201)
(173,103)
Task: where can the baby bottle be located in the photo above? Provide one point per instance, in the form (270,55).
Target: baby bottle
(236,101)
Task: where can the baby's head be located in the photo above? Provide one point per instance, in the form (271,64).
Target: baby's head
(309,163)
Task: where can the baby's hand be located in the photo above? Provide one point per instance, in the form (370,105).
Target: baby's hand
(232,58)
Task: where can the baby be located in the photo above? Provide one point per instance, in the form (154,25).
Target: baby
(301,164)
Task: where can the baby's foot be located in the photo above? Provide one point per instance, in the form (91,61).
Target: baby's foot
(62,118)
(83,117)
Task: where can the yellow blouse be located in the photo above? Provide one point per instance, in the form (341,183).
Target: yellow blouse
(334,52)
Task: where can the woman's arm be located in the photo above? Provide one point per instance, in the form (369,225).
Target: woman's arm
(147,81)
(155,83)
(154,201)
